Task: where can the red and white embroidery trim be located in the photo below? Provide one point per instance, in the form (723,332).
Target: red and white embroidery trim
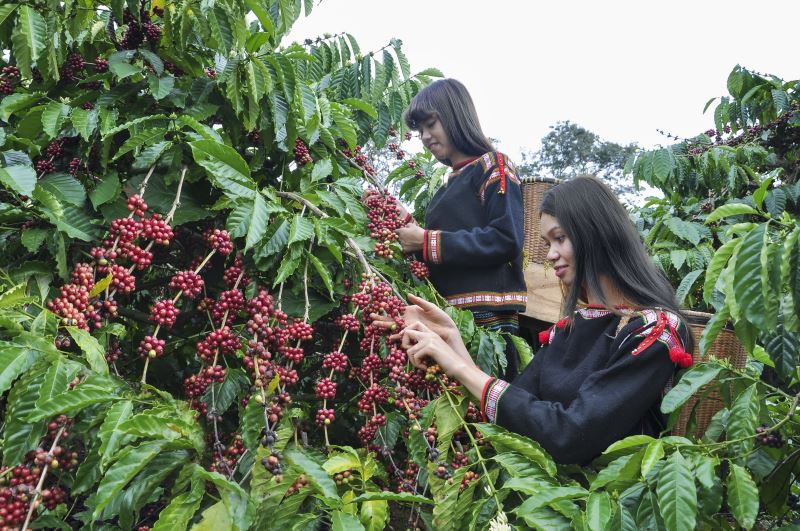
(433,246)
(494,395)
(488,298)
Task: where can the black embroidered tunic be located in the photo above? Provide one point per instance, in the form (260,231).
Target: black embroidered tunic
(592,385)
(474,236)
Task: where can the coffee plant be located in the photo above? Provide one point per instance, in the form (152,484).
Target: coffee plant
(198,224)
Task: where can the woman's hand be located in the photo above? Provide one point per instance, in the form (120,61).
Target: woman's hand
(424,346)
(428,314)
(410,237)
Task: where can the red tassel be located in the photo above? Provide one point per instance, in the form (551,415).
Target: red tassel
(544,337)
(681,357)
(502,168)
(562,323)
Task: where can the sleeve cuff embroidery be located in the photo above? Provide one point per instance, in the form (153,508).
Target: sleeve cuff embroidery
(432,246)
(493,396)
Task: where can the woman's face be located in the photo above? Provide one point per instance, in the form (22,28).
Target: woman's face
(435,139)
(560,254)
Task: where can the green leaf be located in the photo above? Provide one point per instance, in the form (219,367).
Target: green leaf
(234,498)
(56,379)
(109,435)
(598,510)
(731,209)
(322,169)
(259,219)
(686,284)
(131,461)
(548,496)
(84,121)
(147,137)
(105,191)
(677,496)
(684,230)
(323,272)
(14,297)
(225,167)
(53,117)
(180,511)
(503,440)
(361,105)
(21,179)
(101,285)
(120,64)
(783,347)
(65,187)
(747,276)
(203,130)
(652,454)
(32,239)
(403,497)
(713,328)
(14,361)
(717,264)
(21,436)
(742,496)
(73,401)
(160,87)
(32,26)
(743,419)
(314,472)
(302,229)
(662,164)
(214,518)
(17,102)
(341,521)
(691,381)
(620,473)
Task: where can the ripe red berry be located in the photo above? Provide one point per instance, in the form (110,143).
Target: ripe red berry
(189,282)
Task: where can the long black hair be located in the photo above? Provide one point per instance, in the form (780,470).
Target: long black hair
(449,101)
(606,244)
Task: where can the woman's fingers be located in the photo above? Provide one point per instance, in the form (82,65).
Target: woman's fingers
(422,303)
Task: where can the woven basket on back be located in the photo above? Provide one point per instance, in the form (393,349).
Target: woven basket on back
(533,190)
(725,346)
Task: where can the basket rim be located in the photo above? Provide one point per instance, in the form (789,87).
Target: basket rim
(530,179)
(702,318)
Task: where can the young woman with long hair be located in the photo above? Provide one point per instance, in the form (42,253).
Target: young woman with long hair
(604,368)
(473,234)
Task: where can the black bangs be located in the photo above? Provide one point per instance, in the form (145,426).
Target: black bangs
(417,113)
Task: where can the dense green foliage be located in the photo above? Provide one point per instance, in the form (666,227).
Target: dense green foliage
(219,127)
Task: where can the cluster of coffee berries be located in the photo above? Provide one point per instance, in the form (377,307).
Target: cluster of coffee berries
(164,313)
(469,476)
(301,154)
(188,282)
(414,166)
(771,439)
(273,464)
(211,73)
(343,478)
(298,484)
(74,67)
(419,269)
(384,218)
(138,30)
(399,153)
(219,240)
(221,341)
(151,347)
(17,486)
(325,417)
(8,76)
(235,273)
(225,457)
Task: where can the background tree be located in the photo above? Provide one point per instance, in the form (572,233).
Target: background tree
(569,150)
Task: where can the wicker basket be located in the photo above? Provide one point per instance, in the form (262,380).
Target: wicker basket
(533,190)
(725,346)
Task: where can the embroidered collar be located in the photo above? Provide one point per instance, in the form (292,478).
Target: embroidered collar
(460,165)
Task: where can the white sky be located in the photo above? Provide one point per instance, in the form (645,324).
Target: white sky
(622,69)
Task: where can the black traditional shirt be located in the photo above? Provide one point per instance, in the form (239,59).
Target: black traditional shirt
(474,237)
(598,380)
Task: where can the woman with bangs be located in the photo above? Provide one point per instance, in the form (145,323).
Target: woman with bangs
(604,368)
(473,234)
